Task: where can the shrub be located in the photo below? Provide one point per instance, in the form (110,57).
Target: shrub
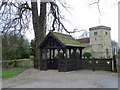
(87,54)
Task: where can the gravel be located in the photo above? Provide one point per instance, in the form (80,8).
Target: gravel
(33,78)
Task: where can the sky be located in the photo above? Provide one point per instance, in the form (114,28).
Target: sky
(83,16)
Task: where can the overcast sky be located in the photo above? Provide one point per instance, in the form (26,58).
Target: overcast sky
(83,16)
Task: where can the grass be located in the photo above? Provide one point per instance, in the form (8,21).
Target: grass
(10,73)
(16,60)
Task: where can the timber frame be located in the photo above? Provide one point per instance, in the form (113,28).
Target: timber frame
(55,43)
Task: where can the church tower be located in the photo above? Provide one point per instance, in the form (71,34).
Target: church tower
(100,41)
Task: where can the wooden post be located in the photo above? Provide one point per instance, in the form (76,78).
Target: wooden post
(58,52)
(74,60)
(65,53)
(65,59)
(50,53)
(59,67)
(114,63)
(41,59)
(74,53)
(46,50)
(70,53)
(53,53)
(80,53)
(94,63)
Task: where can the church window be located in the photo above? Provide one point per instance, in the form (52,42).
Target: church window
(105,33)
(95,33)
(106,51)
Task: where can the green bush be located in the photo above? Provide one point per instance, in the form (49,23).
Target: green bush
(87,55)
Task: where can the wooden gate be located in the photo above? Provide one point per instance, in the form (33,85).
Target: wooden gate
(52,64)
(96,64)
(92,64)
(77,64)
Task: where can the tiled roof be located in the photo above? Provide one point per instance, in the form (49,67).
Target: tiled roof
(84,40)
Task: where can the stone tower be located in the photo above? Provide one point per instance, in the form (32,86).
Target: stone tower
(100,41)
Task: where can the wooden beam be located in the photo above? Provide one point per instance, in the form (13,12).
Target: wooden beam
(74,51)
(50,53)
(41,58)
(58,52)
(53,53)
(80,53)
(70,53)
(56,47)
(65,53)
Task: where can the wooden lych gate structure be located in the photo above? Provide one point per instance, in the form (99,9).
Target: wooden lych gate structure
(63,52)
(57,50)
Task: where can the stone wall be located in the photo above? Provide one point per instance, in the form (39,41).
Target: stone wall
(28,63)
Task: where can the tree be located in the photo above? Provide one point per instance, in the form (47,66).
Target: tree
(18,20)
(39,23)
(32,48)
(14,47)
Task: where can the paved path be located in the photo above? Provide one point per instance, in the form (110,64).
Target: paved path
(34,78)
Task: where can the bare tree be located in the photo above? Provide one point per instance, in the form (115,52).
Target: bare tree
(15,17)
(39,23)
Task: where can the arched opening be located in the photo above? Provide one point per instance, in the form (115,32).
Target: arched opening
(52,61)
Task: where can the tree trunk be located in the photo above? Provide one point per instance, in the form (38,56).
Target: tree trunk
(42,20)
(39,24)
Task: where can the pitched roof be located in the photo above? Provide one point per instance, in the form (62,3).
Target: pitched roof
(67,40)
(84,40)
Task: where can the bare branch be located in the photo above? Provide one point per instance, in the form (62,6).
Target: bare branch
(98,6)
(57,18)
(3,3)
(15,17)
(95,2)
(64,5)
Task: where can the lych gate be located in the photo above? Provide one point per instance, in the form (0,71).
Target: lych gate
(58,51)
(63,52)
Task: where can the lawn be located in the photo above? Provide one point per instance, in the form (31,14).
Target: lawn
(10,73)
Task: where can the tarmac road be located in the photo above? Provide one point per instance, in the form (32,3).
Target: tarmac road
(33,78)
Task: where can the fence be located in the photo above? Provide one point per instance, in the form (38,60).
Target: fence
(77,64)
(96,64)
